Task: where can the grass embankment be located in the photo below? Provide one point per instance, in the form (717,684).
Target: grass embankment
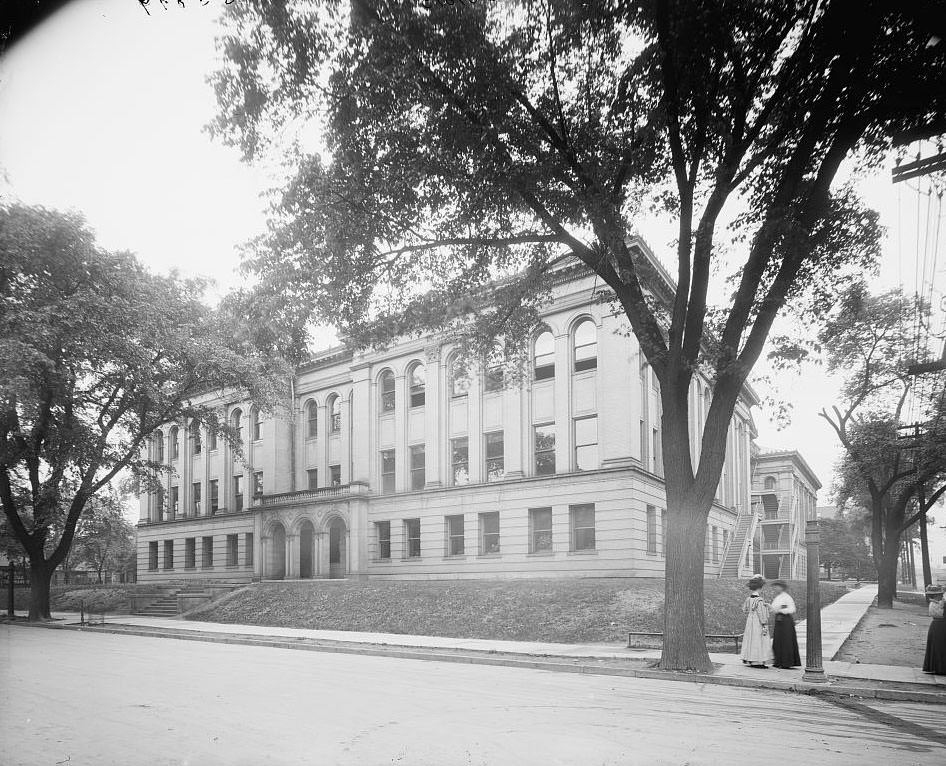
(97,599)
(567,611)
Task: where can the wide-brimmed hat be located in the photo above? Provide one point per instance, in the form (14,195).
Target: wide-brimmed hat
(756,582)
(934,590)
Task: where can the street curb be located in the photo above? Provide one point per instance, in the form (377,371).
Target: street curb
(555,663)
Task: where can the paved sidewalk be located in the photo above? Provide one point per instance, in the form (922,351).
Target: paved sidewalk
(838,621)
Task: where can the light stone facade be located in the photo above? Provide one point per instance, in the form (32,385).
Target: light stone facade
(558,474)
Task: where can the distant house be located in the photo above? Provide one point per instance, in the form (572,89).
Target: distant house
(784,497)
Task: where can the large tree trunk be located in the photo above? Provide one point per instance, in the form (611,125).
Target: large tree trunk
(684,641)
(40,574)
(887,575)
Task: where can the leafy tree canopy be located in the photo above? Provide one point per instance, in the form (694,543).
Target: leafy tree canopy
(96,352)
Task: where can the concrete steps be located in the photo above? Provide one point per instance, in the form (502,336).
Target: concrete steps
(164,606)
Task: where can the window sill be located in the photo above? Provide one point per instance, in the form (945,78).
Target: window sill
(591,552)
(490,556)
(385,561)
(233,566)
(541,553)
(411,558)
(205,568)
(191,568)
(455,557)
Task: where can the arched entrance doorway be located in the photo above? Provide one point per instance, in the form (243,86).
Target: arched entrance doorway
(277,558)
(337,553)
(306,549)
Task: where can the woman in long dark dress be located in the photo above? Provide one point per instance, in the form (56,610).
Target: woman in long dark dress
(784,639)
(935,659)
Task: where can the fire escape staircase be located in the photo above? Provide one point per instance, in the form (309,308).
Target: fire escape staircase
(739,542)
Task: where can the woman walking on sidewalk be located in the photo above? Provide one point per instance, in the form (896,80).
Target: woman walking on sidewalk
(756,647)
(935,659)
(784,638)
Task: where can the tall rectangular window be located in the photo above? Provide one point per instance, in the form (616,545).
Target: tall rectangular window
(195,439)
(312,420)
(489,533)
(382,531)
(656,454)
(190,552)
(460,460)
(412,536)
(175,501)
(207,552)
(153,556)
(256,426)
(211,440)
(495,460)
(715,535)
(169,554)
(258,484)
(214,496)
(663,532)
(312,478)
(233,550)
(582,519)
(454,535)
(248,549)
(387,471)
(643,439)
(335,475)
(586,443)
(418,467)
(651,529)
(159,502)
(238,493)
(540,530)
(195,497)
(545,449)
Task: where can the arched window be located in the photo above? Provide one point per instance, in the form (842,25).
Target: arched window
(159,446)
(386,385)
(459,378)
(312,419)
(544,356)
(770,482)
(195,437)
(257,424)
(494,374)
(175,446)
(418,385)
(586,346)
(335,408)
(236,419)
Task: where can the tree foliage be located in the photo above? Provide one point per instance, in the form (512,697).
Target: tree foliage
(844,546)
(882,468)
(470,150)
(96,353)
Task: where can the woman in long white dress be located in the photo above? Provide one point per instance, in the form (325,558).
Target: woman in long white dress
(756,644)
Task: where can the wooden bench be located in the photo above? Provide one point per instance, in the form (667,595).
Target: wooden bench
(735,638)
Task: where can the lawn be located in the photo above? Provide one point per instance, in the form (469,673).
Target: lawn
(568,611)
(890,636)
(97,599)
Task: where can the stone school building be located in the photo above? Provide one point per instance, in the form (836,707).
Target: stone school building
(405,464)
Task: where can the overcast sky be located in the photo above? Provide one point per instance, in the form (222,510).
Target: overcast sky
(102,110)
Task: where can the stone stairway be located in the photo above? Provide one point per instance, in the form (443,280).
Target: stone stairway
(163,606)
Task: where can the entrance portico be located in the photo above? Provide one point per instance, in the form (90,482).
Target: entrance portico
(305,545)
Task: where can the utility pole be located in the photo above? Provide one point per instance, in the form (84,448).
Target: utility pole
(814,671)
